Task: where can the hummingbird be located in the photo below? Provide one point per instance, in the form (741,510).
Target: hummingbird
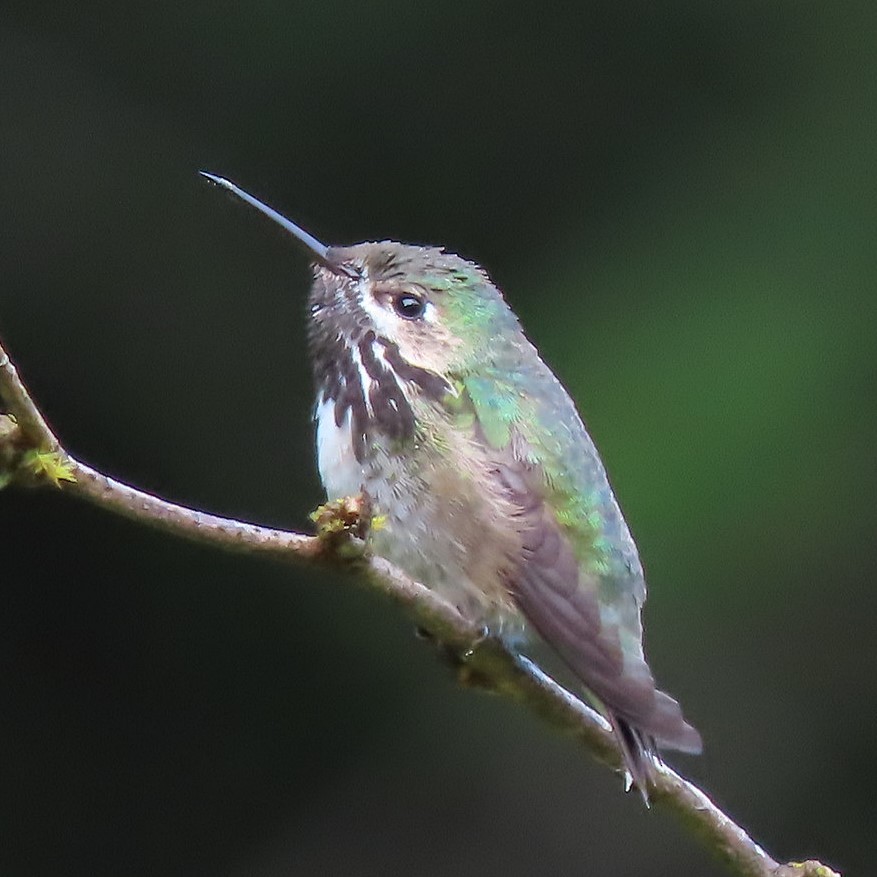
(432,402)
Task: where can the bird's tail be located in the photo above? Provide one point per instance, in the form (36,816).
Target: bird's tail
(640,754)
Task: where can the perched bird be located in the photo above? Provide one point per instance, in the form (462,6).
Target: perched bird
(431,401)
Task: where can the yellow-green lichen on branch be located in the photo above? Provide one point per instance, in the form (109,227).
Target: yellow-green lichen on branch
(806,869)
(340,520)
(50,466)
(18,462)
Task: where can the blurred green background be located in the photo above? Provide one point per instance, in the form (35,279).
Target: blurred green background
(680,201)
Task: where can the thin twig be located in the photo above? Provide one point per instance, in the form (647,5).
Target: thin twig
(486,663)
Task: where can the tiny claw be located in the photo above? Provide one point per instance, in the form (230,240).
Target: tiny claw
(483,634)
(465,673)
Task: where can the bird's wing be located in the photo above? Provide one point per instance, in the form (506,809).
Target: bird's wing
(578,580)
(561,601)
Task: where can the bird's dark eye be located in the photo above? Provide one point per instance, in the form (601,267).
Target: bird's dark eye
(409,306)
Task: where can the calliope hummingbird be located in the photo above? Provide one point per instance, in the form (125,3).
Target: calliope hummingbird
(433,403)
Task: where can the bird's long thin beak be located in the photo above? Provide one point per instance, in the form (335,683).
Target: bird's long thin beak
(321,251)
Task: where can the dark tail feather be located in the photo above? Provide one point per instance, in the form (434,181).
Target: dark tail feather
(640,754)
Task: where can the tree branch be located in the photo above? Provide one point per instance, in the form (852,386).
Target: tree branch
(25,437)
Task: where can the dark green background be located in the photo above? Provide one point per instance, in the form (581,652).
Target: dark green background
(678,198)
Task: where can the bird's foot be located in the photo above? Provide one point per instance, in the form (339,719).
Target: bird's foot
(460,660)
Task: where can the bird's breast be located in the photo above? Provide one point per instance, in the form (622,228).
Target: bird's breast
(440,518)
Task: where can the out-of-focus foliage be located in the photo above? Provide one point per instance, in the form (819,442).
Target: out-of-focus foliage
(679,200)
